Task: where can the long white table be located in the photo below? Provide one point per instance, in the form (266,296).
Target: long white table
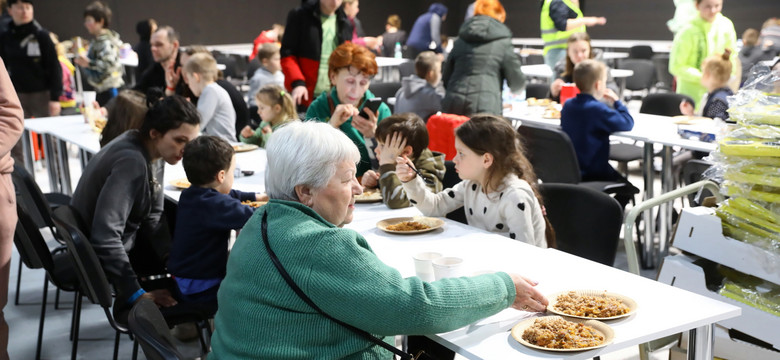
(544,72)
(650,129)
(659,46)
(663,310)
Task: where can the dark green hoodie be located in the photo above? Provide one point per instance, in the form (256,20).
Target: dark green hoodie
(481,59)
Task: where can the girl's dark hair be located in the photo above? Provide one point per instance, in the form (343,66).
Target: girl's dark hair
(126,111)
(572,39)
(99,11)
(167,113)
(486,133)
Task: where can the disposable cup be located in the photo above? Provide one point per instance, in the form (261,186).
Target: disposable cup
(88,98)
(447,267)
(423,266)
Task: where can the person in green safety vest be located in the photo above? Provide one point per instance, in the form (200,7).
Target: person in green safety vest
(560,19)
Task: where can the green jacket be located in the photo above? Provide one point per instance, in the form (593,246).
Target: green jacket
(481,59)
(259,138)
(105,71)
(431,166)
(554,39)
(260,317)
(695,42)
(320,110)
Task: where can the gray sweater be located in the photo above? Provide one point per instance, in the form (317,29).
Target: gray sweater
(263,77)
(217,116)
(419,97)
(118,193)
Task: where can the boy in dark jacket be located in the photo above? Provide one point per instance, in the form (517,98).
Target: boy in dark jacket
(208,210)
(403,135)
(589,122)
(421,93)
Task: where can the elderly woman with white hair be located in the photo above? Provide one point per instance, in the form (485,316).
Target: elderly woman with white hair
(294,248)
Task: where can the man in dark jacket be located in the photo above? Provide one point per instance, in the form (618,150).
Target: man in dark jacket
(480,60)
(31,61)
(313,30)
(427,29)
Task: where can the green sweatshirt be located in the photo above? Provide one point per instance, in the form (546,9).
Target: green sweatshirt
(431,166)
(695,42)
(259,138)
(260,317)
(320,110)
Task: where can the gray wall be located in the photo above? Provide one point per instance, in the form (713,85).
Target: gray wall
(237,21)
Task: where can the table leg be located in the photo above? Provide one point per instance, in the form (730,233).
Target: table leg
(649,236)
(700,343)
(29,156)
(84,158)
(51,163)
(63,162)
(665,211)
(622,87)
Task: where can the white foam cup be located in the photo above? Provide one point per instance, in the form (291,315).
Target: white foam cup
(423,266)
(447,267)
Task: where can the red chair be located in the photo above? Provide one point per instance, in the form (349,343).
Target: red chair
(441,133)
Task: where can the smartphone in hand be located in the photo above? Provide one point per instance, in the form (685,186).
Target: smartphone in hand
(372,104)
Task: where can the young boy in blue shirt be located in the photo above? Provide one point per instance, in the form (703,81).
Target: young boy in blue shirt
(207,211)
(589,122)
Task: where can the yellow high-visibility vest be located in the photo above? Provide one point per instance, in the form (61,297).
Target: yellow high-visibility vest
(553,38)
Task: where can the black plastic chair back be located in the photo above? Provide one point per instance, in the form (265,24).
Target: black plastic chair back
(406,69)
(587,222)
(692,172)
(29,242)
(663,77)
(148,325)
(384,90)
(644,73)
(451,179)
(664,104)
(539,91)
(30,195)
(551,154)
(641,52)
(94,283)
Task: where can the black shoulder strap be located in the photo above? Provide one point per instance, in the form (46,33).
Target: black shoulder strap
(308,301)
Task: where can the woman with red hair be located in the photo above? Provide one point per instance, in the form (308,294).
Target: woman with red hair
(480,60)
(350,70)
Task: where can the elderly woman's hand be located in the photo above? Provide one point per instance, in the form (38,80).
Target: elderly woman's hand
(341,114)
(367,127)
(403,169)
(527,298)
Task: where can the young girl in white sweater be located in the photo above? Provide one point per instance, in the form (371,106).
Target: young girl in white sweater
(498,190)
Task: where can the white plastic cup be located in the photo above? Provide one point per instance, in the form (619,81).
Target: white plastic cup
(447,267)
(88,98)
(423,265)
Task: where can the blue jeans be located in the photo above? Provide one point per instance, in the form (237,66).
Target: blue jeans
(552,57)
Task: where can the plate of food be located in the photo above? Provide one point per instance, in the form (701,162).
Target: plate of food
(254,204)
(244,147)
(551,114)
(591,304)
(554,333)
(182,183)
(410,225)
(532,101)
(369,196)
(691,120)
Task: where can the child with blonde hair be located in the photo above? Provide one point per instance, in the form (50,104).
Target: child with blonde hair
(715,75)
(217,116)
(275,108)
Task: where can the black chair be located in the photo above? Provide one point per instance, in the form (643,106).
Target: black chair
(148,325)
(587,222)
(38,206)
(554,160)
(644,74)
(663,78)
(451,179)
(641,52)
(95,285)
(406,69)
(384,90)
(539,91)
(692,172)
(533,59)
(35,254)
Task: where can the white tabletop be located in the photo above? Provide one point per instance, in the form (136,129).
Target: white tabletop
(382,61)
(647,128)
(244,49)
(662,46)
(71,128)
(663,310)
(544,71)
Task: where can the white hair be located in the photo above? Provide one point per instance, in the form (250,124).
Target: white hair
(305,153)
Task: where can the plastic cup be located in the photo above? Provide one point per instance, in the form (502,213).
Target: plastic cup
(88,98)
(447,267)
(568,91)
(423,266)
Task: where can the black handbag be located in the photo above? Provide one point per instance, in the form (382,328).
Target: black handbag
(401,354)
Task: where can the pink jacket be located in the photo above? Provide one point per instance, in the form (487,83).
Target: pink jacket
(11,120)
